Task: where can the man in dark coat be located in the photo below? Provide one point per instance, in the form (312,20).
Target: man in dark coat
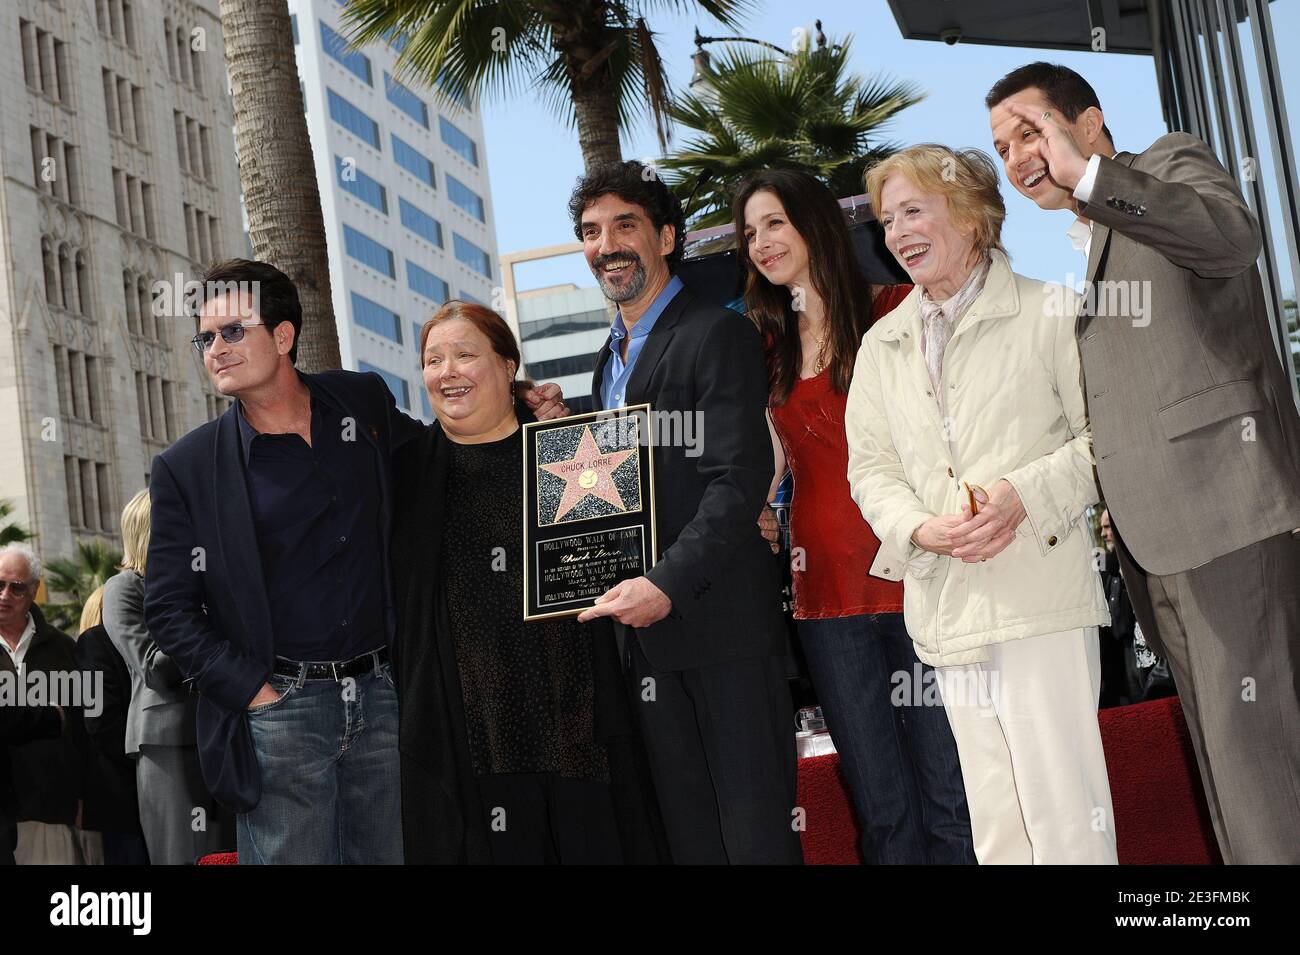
(40,769)
(19,725)
(269,583)
(704,637)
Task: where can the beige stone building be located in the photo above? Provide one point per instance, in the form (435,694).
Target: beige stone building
(117,172)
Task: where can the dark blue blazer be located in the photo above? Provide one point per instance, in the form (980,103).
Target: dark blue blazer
(205,600)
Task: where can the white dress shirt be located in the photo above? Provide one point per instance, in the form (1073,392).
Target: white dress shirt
(18,653)
(1080,232)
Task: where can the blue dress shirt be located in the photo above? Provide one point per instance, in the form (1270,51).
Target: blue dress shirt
(613,385)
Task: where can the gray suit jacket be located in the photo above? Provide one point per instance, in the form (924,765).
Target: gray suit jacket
(1195,432)
(162,710)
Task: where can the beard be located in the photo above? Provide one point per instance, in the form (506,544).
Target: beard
(620,293)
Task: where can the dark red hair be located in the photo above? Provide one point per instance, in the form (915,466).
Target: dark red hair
(492,325)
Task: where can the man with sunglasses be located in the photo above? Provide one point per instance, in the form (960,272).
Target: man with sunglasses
(47,769)
(269,582)
(20,622)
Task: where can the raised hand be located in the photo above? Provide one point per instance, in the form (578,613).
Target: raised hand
(1065,163)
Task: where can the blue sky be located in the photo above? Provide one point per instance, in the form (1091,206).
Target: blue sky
(533,158)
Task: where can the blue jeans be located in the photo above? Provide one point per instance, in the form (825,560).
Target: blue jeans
(330,785)
(898,761)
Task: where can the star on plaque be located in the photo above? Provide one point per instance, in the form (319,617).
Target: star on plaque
(589,471)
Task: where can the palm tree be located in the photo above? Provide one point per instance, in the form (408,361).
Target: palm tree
(595,61)
(10,532)
(276,169)
(756,109)
(76,578)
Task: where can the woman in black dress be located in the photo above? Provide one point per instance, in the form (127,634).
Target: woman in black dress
(517,743)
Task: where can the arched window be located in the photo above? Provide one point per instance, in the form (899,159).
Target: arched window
(168,32)
(182,56)
(67,281)
(132,304)
(148,320)
(50,264)
(83,284)
(128,24)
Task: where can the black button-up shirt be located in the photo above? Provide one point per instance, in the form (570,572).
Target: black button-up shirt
(317,513)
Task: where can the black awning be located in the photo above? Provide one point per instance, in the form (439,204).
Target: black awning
(1045,24)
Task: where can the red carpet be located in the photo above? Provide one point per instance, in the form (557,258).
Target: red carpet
(219,858)
(1160,811)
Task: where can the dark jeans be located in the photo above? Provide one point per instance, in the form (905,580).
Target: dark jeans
(899,761)
(330,789)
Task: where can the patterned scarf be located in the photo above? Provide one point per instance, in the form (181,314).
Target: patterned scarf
(939,320)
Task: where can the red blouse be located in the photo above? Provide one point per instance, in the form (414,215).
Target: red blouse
(832,580)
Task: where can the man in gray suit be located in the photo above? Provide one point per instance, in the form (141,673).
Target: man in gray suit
(178,816)
(1195,433)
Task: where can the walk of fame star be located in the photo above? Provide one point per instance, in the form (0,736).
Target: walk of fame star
(588,472)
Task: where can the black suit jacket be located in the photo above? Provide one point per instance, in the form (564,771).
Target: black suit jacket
(49,774)
(19,725)
(705,362)
(111,798)
(20,728)
(205,600)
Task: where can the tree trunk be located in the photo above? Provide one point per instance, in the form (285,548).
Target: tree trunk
(276,169)
(596,113)
(580,37)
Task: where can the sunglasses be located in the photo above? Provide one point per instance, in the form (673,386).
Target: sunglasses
(15,587)
(230,334)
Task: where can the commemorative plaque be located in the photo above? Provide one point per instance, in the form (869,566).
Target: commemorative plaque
(588,508)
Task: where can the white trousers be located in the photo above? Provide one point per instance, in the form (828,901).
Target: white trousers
(1030,748)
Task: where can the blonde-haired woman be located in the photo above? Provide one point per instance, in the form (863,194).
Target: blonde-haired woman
(160,720)
(972,383)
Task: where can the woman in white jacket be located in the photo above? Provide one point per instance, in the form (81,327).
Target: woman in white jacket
(973,383)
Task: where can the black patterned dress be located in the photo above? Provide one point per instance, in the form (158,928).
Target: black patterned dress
(527,687)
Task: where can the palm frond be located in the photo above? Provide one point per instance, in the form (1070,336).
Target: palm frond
(650,66)
(729,13)
(806,111)
(11,533)
(76,578)
(460,49)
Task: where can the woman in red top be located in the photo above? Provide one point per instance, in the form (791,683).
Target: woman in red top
(805,291)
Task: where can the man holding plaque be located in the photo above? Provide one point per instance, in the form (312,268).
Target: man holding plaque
(703,639)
